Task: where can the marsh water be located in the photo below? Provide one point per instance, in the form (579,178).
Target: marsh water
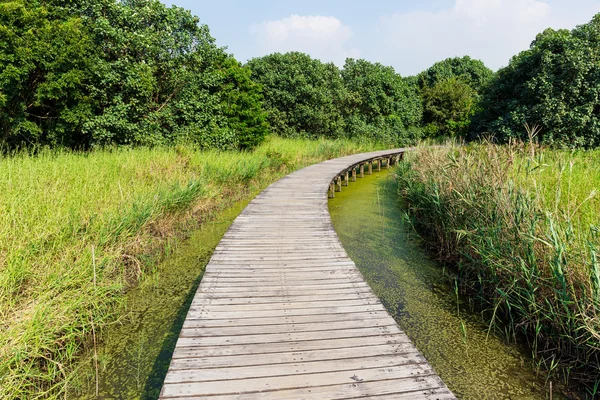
(136,352)
(368,219)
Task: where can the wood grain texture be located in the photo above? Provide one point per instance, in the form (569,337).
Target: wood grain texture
(282,312)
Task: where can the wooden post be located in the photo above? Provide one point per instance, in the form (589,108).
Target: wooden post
(338,184)
(370,171)
(353,175)
(388,162)
(346,179)
(331,190)
(378,165)
(362,170)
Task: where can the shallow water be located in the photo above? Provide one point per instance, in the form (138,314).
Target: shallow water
(135,354)
(368,218)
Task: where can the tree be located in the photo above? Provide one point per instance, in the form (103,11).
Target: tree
(381,104)
(133,72)
(302,96)
(448,106)
(473,72)
(450,91)
(554,85)
(44,72)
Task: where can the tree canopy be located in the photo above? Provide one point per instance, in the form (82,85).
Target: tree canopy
(81,74)
(302,95)
(99,72)
(472,72)
(450,91)
(554,85)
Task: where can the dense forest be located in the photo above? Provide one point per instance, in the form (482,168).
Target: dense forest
(84,74)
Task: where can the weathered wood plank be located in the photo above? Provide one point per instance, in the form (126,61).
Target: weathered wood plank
(402,349)
(271,349)
(296,368)
(405,376)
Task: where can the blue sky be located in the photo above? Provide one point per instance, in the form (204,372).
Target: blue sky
(409,35)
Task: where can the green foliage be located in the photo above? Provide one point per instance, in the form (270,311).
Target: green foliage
(303,96)
(307,98)
(82,74)
(448,106)
(381,104)
(450,92)
(555,85)
(44,71)
(472,72)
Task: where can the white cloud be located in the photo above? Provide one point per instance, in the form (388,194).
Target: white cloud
(322,37)
(491,30)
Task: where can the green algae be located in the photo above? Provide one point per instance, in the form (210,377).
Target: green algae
(135,354)
(368,218)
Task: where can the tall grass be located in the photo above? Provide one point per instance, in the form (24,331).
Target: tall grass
(75,230)
(520,224)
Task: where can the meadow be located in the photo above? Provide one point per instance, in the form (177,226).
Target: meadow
(519,226)
(78,230)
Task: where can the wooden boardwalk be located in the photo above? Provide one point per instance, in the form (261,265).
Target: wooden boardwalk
(283,313)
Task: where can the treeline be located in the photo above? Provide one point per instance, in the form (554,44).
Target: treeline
(82,74)
(86,73)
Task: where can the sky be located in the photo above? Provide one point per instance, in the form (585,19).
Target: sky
(408,35)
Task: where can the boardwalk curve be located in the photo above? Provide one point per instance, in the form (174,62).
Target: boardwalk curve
(282,312)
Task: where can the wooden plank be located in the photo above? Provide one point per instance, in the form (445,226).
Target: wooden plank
(282,327)
(382,390)
(294,368)
(272,349)
(188,338)
(404,376)
(283,313)
(295,319)
(301,305)
(196,314)
(403,349)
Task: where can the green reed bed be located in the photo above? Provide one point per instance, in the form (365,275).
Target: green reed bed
(521,226)
(77,230)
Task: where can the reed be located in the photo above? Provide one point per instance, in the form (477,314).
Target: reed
(519,224)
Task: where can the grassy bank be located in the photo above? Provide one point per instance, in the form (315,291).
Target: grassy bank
(521,226)
(77,231)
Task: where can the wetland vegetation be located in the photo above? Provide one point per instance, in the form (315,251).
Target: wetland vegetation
(519,226)
(124,128)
